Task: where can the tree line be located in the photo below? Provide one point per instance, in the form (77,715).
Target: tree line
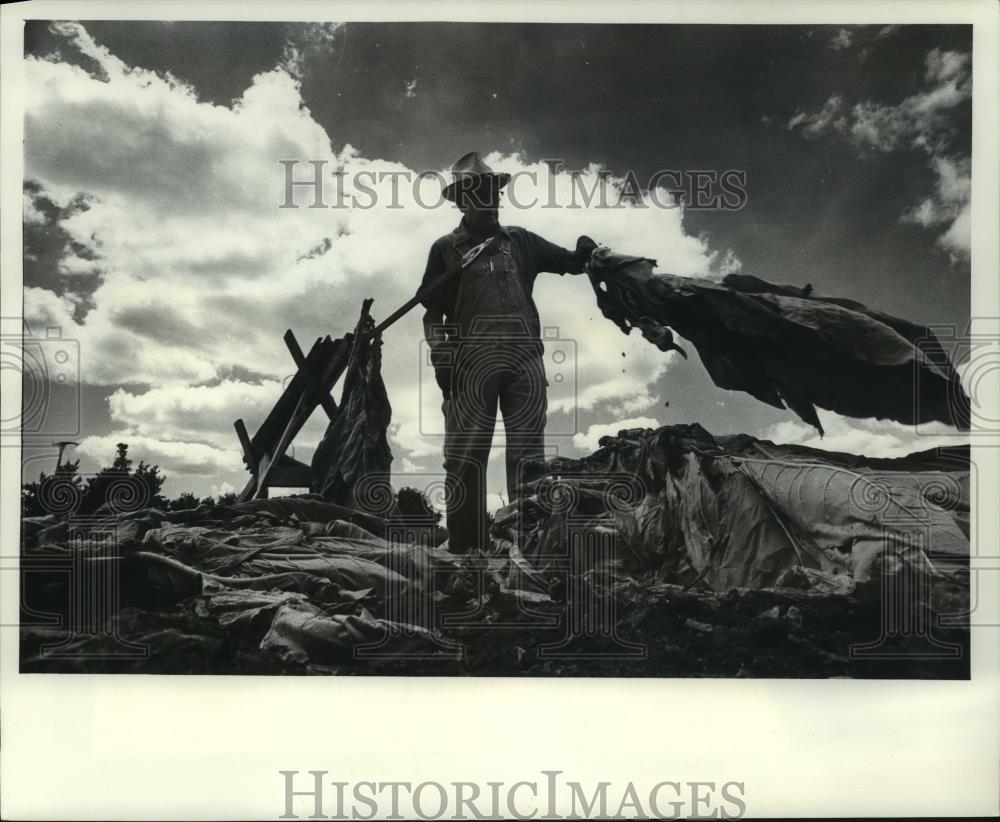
(134,486)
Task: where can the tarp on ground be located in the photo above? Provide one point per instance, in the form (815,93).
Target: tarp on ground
(673,506)
(736,512)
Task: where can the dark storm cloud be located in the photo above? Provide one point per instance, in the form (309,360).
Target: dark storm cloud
(162,323)
(238,373)
(46,245)
(644,98)
(219,59)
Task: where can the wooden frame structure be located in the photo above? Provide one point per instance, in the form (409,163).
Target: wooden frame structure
(318,371)
(264,453)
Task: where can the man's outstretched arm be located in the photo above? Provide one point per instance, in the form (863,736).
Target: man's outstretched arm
(558,260)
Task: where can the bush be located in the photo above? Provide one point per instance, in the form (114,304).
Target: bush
(413,505)
(128,487)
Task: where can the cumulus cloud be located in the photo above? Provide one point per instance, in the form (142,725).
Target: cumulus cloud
(46,309)
(949,204)
(841,40)
(630,405)
(728,263)
(29,211)
(857,42)
(198,412)
(222,488)
(173,456)
(201,271)
(590,440)
(924,121)
(410,467)
(871,438)
(828,117)
(307,42)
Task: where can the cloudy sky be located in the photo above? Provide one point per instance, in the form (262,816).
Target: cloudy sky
(154,238)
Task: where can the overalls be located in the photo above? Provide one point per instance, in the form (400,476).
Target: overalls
(498,364)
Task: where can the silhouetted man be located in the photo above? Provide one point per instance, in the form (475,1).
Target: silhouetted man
(483,329)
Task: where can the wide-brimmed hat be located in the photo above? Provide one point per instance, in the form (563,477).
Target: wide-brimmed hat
(469,172)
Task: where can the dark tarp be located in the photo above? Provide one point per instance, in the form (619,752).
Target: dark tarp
(737,512)
(354,447)
(721,555)
(787,346)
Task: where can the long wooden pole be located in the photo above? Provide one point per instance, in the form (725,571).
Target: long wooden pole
(467,259)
